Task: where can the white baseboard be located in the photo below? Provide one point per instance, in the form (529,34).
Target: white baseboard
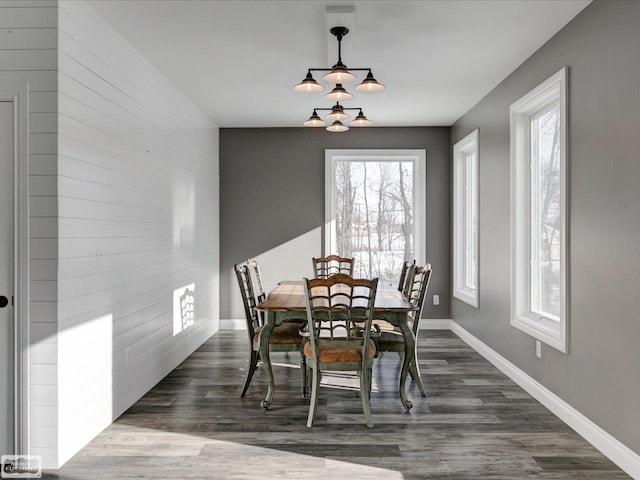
(233,324)
(618,453)
(435,324)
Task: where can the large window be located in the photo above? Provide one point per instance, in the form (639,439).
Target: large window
(465,219)
(374,209)
(539,217)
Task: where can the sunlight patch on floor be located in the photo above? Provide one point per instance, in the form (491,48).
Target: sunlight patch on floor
(344,381)
(226,459)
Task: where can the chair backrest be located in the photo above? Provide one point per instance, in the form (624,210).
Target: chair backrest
(249,299)
(258,288)
(340,311)
(402,282)
(416,292)
(325,267)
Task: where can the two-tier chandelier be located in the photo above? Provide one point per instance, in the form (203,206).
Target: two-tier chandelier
(338,75)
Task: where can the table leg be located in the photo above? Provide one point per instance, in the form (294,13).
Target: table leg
(265,333)
(409,355)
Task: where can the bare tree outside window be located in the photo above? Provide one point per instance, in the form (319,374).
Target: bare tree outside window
(374,216)
(545,214)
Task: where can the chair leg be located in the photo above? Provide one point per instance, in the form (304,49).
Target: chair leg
(315,391)
(303,374)
(308,379)
(365,382)
(253,365)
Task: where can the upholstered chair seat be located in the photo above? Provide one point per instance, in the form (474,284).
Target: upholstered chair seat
(287,333)
(338,353)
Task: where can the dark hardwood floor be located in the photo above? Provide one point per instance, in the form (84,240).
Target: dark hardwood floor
(474,424)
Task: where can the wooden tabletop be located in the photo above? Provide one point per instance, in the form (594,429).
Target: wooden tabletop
(289,296)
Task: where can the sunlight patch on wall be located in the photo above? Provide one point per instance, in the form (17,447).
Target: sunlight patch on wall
(85,382)
(289,261)
(183,311)
(184,213)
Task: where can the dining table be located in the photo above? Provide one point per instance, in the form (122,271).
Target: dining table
(287,301)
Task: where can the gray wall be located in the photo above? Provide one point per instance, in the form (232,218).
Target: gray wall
(600,376)
(272,191)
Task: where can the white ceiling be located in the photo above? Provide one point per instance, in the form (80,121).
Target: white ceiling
(239,60)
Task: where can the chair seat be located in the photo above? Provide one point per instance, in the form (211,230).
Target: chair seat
(285,334)
(390,338)
(339,353)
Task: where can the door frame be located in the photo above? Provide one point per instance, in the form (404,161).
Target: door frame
(18,93)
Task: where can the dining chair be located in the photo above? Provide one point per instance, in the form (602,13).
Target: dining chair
(389,338)
(258,290)
(324,267)
(284,337)
(402,282)
(336,307)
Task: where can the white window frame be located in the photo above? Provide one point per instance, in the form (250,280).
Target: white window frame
(553,332)
(419,159)
(465,164)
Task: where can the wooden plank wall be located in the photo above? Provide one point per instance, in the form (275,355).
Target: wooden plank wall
(138,219)
(28,53)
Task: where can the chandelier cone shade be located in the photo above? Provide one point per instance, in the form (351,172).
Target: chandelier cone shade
(308,85)
(315,121)
(338,94)
(370,85)
(337,113)
(339,74)
(337,127)
(360,121)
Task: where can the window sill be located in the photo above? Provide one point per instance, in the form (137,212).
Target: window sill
(547,331)
(467,296)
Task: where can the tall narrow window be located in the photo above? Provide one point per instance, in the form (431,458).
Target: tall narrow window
(375,209)
(539,218)
(465,219)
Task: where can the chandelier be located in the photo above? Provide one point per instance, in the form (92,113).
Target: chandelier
(338,75)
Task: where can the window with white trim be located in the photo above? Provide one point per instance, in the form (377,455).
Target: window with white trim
(539,212)
(465,219)
(375,209)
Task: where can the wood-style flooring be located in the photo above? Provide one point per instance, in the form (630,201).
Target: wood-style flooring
(475,424)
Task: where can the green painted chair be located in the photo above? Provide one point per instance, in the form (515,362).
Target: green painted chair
(337,308)
(389,338)
(402,282)
(258,288)
(284,337)
(324,267)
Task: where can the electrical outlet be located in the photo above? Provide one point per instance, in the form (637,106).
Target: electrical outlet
(538,349)
(436,299)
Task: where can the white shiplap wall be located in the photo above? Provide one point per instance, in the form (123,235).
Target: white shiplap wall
(138,218)
(28,54)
